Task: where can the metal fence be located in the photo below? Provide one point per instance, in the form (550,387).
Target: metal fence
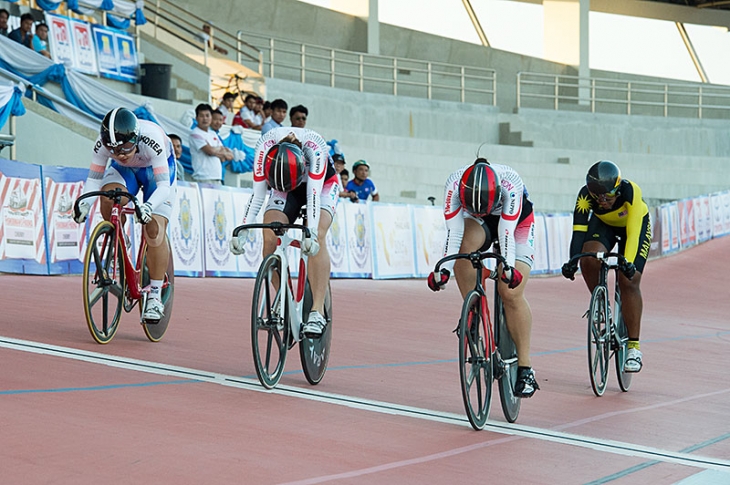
(335,68)
(597,95)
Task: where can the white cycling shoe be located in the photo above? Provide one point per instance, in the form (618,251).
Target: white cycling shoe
(154,311)
(633,361)
(314,326)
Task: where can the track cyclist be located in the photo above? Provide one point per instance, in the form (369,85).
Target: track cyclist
(608,210)
(294,164)
(141,157)
(484,203)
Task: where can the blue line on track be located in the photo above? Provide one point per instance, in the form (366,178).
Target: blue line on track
(94,388)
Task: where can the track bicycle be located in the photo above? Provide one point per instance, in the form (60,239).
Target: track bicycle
(279,310)
(112,281)
(486,352)
(607,331)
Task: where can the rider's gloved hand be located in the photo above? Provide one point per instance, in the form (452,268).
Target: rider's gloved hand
(628,269)
(145,213)
(569,270)
(310,245)
(81,212)
(436,281)
(238,243)
(512,277)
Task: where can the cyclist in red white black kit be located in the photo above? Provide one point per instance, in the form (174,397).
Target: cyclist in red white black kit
(483,203)
(294,164)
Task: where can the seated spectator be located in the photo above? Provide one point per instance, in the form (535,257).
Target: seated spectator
(40,40)
(339,161)
(298,116)
(278,113)
(247,114)
(226,106)
(361,184)
(208,37)
(266,111)
(4,16)
(23,34)
(178,150)
(206,149)
(344,177)
(217,121)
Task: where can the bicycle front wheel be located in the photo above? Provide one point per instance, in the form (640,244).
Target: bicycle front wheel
(269,327)
(599,340)
(508,353)
(475,362)
(104,283)
(315,353)
(155,331)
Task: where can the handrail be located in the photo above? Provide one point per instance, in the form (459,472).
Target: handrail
(565,92)
(308,63)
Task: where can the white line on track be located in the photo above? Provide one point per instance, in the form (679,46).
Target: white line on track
(609,446)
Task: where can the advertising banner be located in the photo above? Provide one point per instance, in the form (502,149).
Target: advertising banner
(392,240)
(430,233)
(116,53)
(59,37)
(703,218)
(725,212)
(249,262)
(559,231)
(655,248)
(83,46)
(337,244)
(185,231)
(540,265)
(687,233)
(218,224)
(359,239)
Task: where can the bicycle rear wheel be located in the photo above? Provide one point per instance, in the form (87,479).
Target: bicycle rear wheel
(621,341)
(315,353)
(599,343)
(475,362)
(269,330)
(104,283)
(508,353)
(155,331)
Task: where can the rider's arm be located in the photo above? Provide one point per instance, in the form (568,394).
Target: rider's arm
(315,151)
(161,173)
(637,210)
(512,193)
(98,165)
(581,214)
(260,185)
(454,217)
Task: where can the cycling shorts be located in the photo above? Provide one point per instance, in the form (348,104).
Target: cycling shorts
(291,203)
(524,236)
(609,236)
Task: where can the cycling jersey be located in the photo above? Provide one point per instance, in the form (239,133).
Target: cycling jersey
(628,213)
(152,167)
(513,208)
(316,158)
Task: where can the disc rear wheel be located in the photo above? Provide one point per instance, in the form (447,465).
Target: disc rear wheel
(475,362)
(508,353)
(315,353)
(155,331)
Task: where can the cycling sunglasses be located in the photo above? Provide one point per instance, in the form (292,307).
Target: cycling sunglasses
(123,149)
(606,195)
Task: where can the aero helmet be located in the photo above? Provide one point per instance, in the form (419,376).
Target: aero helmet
(284,167)
(120,131)
(480,189)
(604,178)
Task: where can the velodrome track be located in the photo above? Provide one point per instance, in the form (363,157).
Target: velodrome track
(189,410)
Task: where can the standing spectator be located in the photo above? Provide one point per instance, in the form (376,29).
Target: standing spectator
(339,161)
(206,149)
(248,113)
(361,184)
(298,116)
(177,151)
(207,37)
(266,111)
(226,106)
(4,16)
(40,40)
(278,113)
(23,34)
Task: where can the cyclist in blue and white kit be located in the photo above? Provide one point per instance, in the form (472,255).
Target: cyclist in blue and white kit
(141,157)
(295,164)
(483,203)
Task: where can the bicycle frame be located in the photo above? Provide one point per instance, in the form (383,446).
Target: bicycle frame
(132,272)
(295,299)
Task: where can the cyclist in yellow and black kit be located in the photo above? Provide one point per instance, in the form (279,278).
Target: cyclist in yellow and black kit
(610,210)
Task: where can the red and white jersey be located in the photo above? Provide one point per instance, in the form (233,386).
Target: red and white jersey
(316,154)
(508,210)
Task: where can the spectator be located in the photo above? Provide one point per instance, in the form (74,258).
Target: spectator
(217,121)
(278,113)
(206,149)
(40,40)
(177,151)
(248,115)
(4,16)
(208,37)
(361,184)
(339,161)
(298,116)
(266,112)
(23,34)
(345,177)
(226,106)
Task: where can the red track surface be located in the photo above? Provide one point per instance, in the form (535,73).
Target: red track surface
(69,421)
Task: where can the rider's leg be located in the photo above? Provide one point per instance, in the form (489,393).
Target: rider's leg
(590,268)
(474,238)
(270,238)
(158,253)
(631,303)
(107,203)
(518,314)
(319,265)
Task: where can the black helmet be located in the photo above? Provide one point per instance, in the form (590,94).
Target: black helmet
(284,167)
(480,189)
(604,177)
(120,131)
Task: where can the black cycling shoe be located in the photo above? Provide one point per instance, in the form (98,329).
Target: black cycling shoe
(526,384)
